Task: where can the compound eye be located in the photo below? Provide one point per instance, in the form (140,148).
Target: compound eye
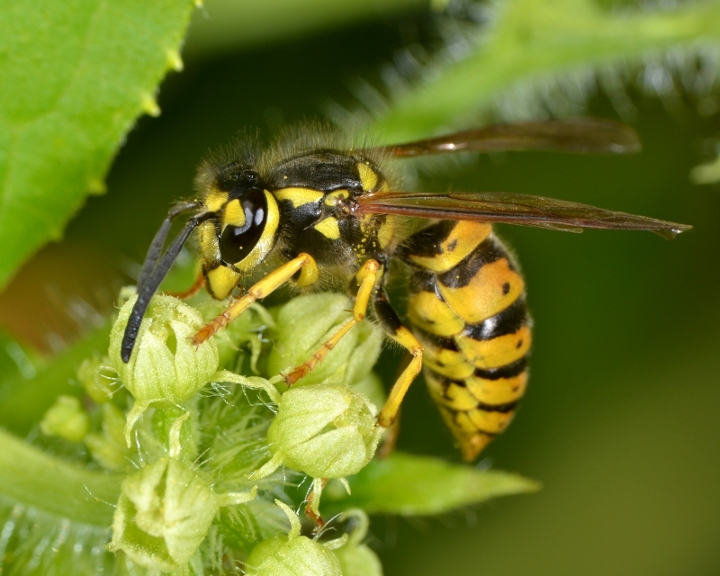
(244,220)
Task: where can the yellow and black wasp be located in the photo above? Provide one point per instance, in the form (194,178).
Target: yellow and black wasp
(309,208)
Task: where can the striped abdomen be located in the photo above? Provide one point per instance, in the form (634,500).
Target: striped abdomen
(467,307)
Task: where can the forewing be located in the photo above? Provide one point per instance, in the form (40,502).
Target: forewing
(585,135)
(509,208)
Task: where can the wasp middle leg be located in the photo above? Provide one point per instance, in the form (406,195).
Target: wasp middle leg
(367,276)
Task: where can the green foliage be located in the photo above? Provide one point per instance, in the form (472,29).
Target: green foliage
(33,478)
(530,40)
(168,501)
(76,75)
(417,485)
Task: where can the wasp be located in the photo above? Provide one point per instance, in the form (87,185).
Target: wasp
(310,207)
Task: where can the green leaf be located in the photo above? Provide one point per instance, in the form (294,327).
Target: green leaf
(420,485)
(33,478)
(75,76)
(16,360)
(533,39)
(25,396)
(228,24)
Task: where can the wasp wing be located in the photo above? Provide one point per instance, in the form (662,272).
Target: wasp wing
(587,135)
(510,208)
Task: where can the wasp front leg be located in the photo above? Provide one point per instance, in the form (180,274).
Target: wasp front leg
(303,263)
(192,290)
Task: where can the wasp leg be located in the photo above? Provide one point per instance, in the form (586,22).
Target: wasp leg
(257,291)
(194,289)
(392,433)
(367,277)
(312,508)
(389,440)
(153,254)
(389,320)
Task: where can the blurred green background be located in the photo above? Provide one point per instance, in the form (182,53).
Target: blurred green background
(621,423)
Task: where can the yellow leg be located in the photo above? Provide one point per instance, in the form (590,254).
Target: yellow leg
(406,339)
(269,284)
(367,277)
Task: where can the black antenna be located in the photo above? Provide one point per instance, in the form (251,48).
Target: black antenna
(152,275)
(158,242)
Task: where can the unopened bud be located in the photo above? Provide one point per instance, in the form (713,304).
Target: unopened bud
(165,512)
(356,558)
(66,419)
(165,366)
(305,323)
(291,554)
(323,431)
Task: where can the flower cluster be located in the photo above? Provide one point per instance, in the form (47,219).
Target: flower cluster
(212,438)
(215,452)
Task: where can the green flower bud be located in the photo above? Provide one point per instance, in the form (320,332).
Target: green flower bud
(244,332)
(305,323)
(108,447)
(165,512)
(66,419)
(165,366)
(97,378)
(291,554)
(356,558)
(323,431)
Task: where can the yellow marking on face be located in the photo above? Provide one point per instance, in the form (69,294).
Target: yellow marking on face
(215,199)
(493,422)
(500,391)
(328,227)
(221,281)
(208,242)
(309,274)
(428,312)
(332,198)
(462,240)
(234,215)
(493,288)
(266,241)
(386,232)
(498,352)
(368,176)
(299,196)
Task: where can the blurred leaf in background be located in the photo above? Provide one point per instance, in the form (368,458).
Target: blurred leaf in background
(75,77)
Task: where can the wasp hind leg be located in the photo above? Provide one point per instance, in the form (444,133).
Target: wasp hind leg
(390,321)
